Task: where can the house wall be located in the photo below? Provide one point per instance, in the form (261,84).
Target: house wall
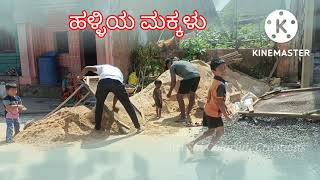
(122,45)
(115,49)
(104,48)
(26,54)
(250,64)
(36,40)
(248,61)
(49,16)
(38,36)
(8,59)
(73,60)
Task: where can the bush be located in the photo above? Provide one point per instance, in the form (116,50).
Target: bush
(146,60)
(197,46)
(213,38)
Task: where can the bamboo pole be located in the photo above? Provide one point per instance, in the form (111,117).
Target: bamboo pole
(83,98)
(280,114)
(307,62)
(230,55)
(290,90)
(274,68)
(115,118)
(65,101)
(302,89)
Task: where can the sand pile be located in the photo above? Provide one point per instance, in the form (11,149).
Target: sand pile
(66,125)
(75,124)
(237,83)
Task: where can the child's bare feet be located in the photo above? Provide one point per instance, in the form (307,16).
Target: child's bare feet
(190,147)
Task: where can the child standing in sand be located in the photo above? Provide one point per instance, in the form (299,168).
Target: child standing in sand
(13,107)
(215,107)
(157,96)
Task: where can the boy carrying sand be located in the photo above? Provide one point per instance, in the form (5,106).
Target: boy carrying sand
(13,107)
(215,107)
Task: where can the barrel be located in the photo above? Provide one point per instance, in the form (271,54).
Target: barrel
(48,69)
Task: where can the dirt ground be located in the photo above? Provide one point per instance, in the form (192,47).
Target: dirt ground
(76,124)
(274,150)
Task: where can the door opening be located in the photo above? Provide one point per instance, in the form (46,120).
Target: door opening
(89,49)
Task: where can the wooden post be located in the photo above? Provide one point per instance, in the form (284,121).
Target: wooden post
(307,62)
(274,67)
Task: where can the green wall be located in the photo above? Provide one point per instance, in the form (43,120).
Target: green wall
(10,59)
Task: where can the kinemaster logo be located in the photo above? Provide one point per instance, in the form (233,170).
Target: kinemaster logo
(281,26)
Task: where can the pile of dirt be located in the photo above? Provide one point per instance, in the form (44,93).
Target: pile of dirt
(76,124)
(66,125)
(237,82)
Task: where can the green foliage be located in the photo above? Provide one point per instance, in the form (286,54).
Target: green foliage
(197,46)
(146,59)
(248,36)
(251,36)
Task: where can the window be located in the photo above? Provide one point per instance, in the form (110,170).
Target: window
(7,41)
(62,42)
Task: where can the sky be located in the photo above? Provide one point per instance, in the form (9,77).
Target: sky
(220,4)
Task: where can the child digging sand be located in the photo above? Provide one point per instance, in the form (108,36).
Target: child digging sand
(13,106)
(214,108)
(157,96)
